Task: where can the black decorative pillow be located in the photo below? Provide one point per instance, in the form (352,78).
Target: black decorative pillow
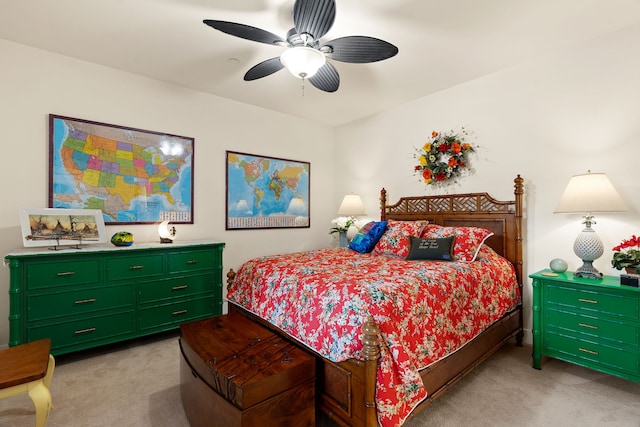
(432,249)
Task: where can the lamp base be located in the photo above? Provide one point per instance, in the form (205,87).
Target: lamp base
(588,271)
(588,247)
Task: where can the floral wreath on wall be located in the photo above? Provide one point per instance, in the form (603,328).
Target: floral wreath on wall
(444,157)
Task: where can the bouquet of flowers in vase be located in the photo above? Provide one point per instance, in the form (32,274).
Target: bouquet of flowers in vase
(342,225)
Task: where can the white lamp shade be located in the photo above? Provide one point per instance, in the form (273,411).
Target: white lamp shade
(303,62)
(588,193)
(351,206)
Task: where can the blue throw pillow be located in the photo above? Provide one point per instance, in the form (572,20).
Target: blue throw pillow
(368,236)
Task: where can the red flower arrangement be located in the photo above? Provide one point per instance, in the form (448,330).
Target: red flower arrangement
(443,157)
(630,258)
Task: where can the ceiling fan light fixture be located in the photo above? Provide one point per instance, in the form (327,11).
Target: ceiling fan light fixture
(302,61)
(305,57)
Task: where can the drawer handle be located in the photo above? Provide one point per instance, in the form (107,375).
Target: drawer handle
(136,267)
(192,261)
(84,331)
(177,313)
(584,325)
(66,273)
(589,301)
(584,350)
(179,288)
(85,301)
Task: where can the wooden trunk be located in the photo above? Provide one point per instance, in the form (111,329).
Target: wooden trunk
(236,373)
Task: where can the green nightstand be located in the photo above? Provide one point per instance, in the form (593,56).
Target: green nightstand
(593,323)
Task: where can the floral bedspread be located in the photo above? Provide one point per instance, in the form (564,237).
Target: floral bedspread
(425,310)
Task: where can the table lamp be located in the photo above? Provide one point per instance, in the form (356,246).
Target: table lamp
(586,194)
(351,206)
(167,234)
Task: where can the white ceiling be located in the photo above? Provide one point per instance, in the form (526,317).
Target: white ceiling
(441,43)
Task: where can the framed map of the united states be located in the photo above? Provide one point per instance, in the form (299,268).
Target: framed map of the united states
(133,176)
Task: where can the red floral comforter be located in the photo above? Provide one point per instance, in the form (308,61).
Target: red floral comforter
(425,310)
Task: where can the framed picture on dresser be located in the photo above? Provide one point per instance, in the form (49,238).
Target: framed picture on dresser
(61,227)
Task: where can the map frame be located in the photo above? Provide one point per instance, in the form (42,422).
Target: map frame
(263,221)
(176,214)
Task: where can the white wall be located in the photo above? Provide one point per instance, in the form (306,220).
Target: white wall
(34,83)
(547,120)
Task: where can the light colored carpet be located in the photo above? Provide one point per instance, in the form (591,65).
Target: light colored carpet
(137,384)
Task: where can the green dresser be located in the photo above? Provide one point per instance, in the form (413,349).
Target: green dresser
(82,298)
(593,323)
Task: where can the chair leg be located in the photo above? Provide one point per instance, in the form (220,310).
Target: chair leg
(50,369)
(41,397)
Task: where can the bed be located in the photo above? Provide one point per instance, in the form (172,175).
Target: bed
(356,391)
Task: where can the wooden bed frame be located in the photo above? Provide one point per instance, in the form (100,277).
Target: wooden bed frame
(346,390)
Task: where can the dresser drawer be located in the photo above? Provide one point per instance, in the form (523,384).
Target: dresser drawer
(44,274)
(70,303)
(133,267)
(78,333)
(175,313)
(175,288)
(616,332)
(594,301)
(193,260)
(583,351)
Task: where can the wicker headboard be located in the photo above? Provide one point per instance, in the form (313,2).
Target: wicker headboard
(504,218)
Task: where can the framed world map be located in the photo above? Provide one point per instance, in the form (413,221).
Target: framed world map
(132,176)
(266,192)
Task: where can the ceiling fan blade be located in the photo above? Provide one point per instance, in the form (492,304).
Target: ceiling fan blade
(326,79)
(245,31)
(264,69)
(360,49)
(314,17)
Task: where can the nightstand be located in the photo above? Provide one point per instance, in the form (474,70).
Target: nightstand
(592,323)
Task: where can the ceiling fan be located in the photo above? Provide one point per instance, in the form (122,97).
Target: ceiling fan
(305,56)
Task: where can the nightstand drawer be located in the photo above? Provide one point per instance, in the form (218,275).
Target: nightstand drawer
(595,301)
(175,288)
(62,273)
(51,305)
(133,267)
(617,332)
(181,262)
(582,351)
